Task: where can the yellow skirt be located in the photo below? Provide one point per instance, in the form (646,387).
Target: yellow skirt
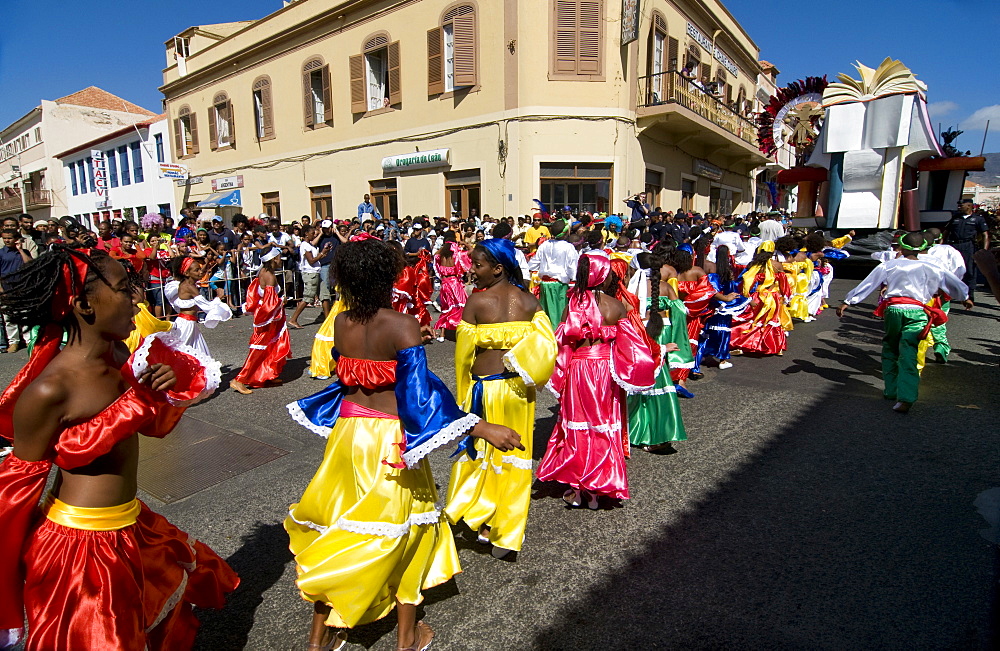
(321,364)
(365,534)
(495,488)
(145,325)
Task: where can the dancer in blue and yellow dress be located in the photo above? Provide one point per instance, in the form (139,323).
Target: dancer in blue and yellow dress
(366,534)
(505,349)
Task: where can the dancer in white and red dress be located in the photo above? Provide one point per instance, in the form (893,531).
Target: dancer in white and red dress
(270,345)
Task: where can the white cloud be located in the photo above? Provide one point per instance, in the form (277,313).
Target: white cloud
(941,109)
(977,121)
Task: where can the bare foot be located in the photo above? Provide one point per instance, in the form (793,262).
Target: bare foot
(293,325)
(240,387)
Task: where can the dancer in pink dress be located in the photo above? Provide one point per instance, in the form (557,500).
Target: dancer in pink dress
(603,353)
(451,263)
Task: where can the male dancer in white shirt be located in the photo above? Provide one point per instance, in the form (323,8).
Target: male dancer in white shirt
(950,259)
(555,263)
(910,283)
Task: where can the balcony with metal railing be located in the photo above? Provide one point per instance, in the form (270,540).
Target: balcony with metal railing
(682,107)
(33,199)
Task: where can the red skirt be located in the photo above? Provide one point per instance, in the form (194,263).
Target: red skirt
(132,588)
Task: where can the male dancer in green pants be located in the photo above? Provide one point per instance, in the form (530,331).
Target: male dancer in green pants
(910,284)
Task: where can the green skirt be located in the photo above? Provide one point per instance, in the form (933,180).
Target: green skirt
(552,296)
(654,416)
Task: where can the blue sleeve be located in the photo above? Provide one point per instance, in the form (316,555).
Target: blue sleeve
(430,416)
(319,412)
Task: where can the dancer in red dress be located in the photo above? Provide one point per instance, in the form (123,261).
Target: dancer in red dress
(270,345)
(599,347)
(413,289)
(93,567)
(696,292)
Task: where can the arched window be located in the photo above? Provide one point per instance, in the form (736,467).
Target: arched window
(263,111)
(375,74)
(317,98)
(185,132)
(656,58)
(221,127)
(451,51)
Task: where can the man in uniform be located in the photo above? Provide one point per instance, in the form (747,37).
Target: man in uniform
(961,232)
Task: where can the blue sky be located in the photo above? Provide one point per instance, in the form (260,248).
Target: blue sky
(52,48)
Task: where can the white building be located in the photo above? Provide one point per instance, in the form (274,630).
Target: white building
(132,187)
(27,146)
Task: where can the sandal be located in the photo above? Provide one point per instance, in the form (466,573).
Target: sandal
(423,638)
(340,639)
(572,497)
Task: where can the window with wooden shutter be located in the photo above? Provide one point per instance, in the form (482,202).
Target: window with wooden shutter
(317,104)
(327,94)
(213,135)
(578,46)
(193,122)
(464,50)
(263,109)
(178,139)
(435,62)
(672,54)
(395,78)
(359,103)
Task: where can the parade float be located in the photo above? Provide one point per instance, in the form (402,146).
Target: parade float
(866,154)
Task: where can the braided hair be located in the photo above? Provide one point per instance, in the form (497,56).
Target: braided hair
(27,293)
(583,277)
(723,266)
(654,325)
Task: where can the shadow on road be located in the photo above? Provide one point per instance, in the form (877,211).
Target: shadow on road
(259,562)
(852,527)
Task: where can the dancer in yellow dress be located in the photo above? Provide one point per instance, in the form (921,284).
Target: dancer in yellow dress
(321,364)
(366,534)
(505,349)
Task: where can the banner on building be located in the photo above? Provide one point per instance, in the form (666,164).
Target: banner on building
(227,183)
(417,160)
(630,21)
(173,171)
(100,177)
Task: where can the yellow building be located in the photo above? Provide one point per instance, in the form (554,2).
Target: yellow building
(437,107)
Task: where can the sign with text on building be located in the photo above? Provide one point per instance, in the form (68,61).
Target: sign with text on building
(703,168)
(172,171)
(630,21)
(189,181)
(710,47)
(227,183)
(417,160)
(100,181)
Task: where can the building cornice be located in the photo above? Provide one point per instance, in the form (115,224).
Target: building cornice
(19,122)
(321,22)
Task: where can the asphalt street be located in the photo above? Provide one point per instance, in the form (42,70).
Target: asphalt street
(801,513)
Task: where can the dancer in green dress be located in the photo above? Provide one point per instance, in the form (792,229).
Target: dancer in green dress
(654,416)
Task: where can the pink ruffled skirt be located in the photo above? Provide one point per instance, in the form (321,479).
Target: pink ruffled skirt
(452,301)
(587,449)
